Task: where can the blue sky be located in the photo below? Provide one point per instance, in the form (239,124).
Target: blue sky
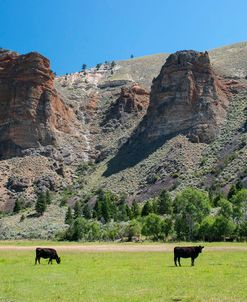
(73,32)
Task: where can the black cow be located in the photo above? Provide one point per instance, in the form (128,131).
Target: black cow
(46,253)
(186,252)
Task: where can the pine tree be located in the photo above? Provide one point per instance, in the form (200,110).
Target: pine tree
(48,197)
(105,211)
(97,212)
(129,212)
(86,211)
(164,203)
(68,217)
(40,205)
(98,66)
(233,191)
(77,210)
(239,185)
(113,64)
(147,208)
(122,214)
(155,205)
(84,66)
(17,206)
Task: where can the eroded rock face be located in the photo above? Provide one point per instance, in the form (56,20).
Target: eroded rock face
(132,100)
(17,184)
(186,98)
(31,111)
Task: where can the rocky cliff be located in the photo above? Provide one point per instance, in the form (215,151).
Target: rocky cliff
(133,100)
(190,130)
(31,111)
(186,98)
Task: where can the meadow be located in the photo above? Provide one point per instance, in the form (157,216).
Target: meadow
(123,276)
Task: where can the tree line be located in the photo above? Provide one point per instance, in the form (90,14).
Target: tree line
(191,215)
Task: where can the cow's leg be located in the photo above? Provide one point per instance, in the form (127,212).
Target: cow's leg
(179,261)
(175,260)
(49,261)
(36,260)
(192,261)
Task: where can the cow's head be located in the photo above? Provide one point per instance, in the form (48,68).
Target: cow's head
(199,248)
(58,260)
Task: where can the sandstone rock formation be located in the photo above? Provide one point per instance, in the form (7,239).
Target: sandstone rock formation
(31,111)
(102,120)
(132,100)
(186,98)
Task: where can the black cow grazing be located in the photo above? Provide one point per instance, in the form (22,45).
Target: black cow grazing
(187,252)
(46,253)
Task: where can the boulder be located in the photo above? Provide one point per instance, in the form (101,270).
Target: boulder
(45,183)
(16,184)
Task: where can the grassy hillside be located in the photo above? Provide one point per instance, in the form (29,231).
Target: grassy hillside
(230,60)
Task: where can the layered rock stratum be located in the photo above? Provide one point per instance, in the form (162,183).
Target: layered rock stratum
(186,98)
(31,111)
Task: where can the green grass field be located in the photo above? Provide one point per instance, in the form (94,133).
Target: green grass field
(123,276)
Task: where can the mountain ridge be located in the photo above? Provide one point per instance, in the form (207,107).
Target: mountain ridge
(111,90)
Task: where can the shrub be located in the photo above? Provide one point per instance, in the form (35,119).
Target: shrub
(94,232)
(152,226)
(222,227)
(205,230)
(78,230)
(134,229)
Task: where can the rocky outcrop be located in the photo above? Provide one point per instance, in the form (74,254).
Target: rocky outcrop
(186,98)
(17,184)
(132,100)
(31,111)
(45,183)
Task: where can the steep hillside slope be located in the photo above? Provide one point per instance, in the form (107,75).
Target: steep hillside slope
(193,132)
(230,61)
(36,127)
